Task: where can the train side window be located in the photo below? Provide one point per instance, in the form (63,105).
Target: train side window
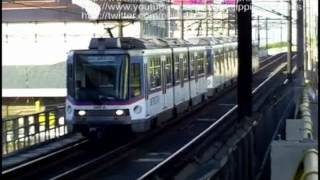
(176,69)
(70,82)
(135,80)
(155,72)
(185,67)
(221,64)
(229,62)
(192,65)
(200,62)
(216,64)
(168,70)
(224,59)
(208,63)
(236,60)
(206,67)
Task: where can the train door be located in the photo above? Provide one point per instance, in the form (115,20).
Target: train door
(196,86)
(224,65)
(178,94)
(163,81)
(215,69)
(201,72)
(166,79)
(185,85)
(154,88)
(210,67)
(192,71)
(235,62)
(222,58)
(230,66)
(146,85)
(181,82)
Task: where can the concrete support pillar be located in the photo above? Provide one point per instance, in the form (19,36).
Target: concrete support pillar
(245,58)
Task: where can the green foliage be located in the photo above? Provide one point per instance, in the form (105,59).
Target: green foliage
(276,45)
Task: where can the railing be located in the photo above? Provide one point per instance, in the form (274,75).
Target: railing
(310,163)
(23,132)
(310,160)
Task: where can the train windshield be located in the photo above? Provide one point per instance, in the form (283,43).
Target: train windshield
(101,77)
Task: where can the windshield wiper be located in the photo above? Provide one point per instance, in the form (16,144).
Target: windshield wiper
(102,97)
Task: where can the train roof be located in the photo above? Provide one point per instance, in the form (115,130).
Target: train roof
(139,43)
(206,41)
(124,43)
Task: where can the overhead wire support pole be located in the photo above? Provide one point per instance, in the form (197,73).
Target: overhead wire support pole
(228,23)
(182,20)
(207,19)
(289,61)
(300,42)
(305,25)
(120,28)
(169,20)
(281,31)
(266,33)
(245,58)
(212,22)
(258,26)
(120,24)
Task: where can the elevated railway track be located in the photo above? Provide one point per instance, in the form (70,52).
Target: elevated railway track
(146,155)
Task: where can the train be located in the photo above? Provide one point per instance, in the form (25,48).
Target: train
(142,83)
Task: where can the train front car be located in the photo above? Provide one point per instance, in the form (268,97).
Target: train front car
(104,87)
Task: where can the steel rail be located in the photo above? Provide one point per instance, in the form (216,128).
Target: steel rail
(270,63)
(45,157)
(270,58)
(276,71)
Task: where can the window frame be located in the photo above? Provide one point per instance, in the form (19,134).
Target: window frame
(131,94)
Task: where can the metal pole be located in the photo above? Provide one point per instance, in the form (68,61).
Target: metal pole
(169,20)
(289,63)
(182,20)
(267,33)
(306,41)
(212,23)
(141,28)
(280,30)
(310,50)
(120,29)
(258,32)
(207,20)
(245,59)
(300,42)
(228,21)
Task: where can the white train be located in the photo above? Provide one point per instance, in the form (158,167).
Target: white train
(143,82)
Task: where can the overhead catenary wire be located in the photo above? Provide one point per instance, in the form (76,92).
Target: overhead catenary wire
(130,21)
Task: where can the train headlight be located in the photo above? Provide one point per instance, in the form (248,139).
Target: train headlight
(119,112)
(82,113)
(137,109)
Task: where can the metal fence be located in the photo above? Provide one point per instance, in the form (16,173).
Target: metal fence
(23,132)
